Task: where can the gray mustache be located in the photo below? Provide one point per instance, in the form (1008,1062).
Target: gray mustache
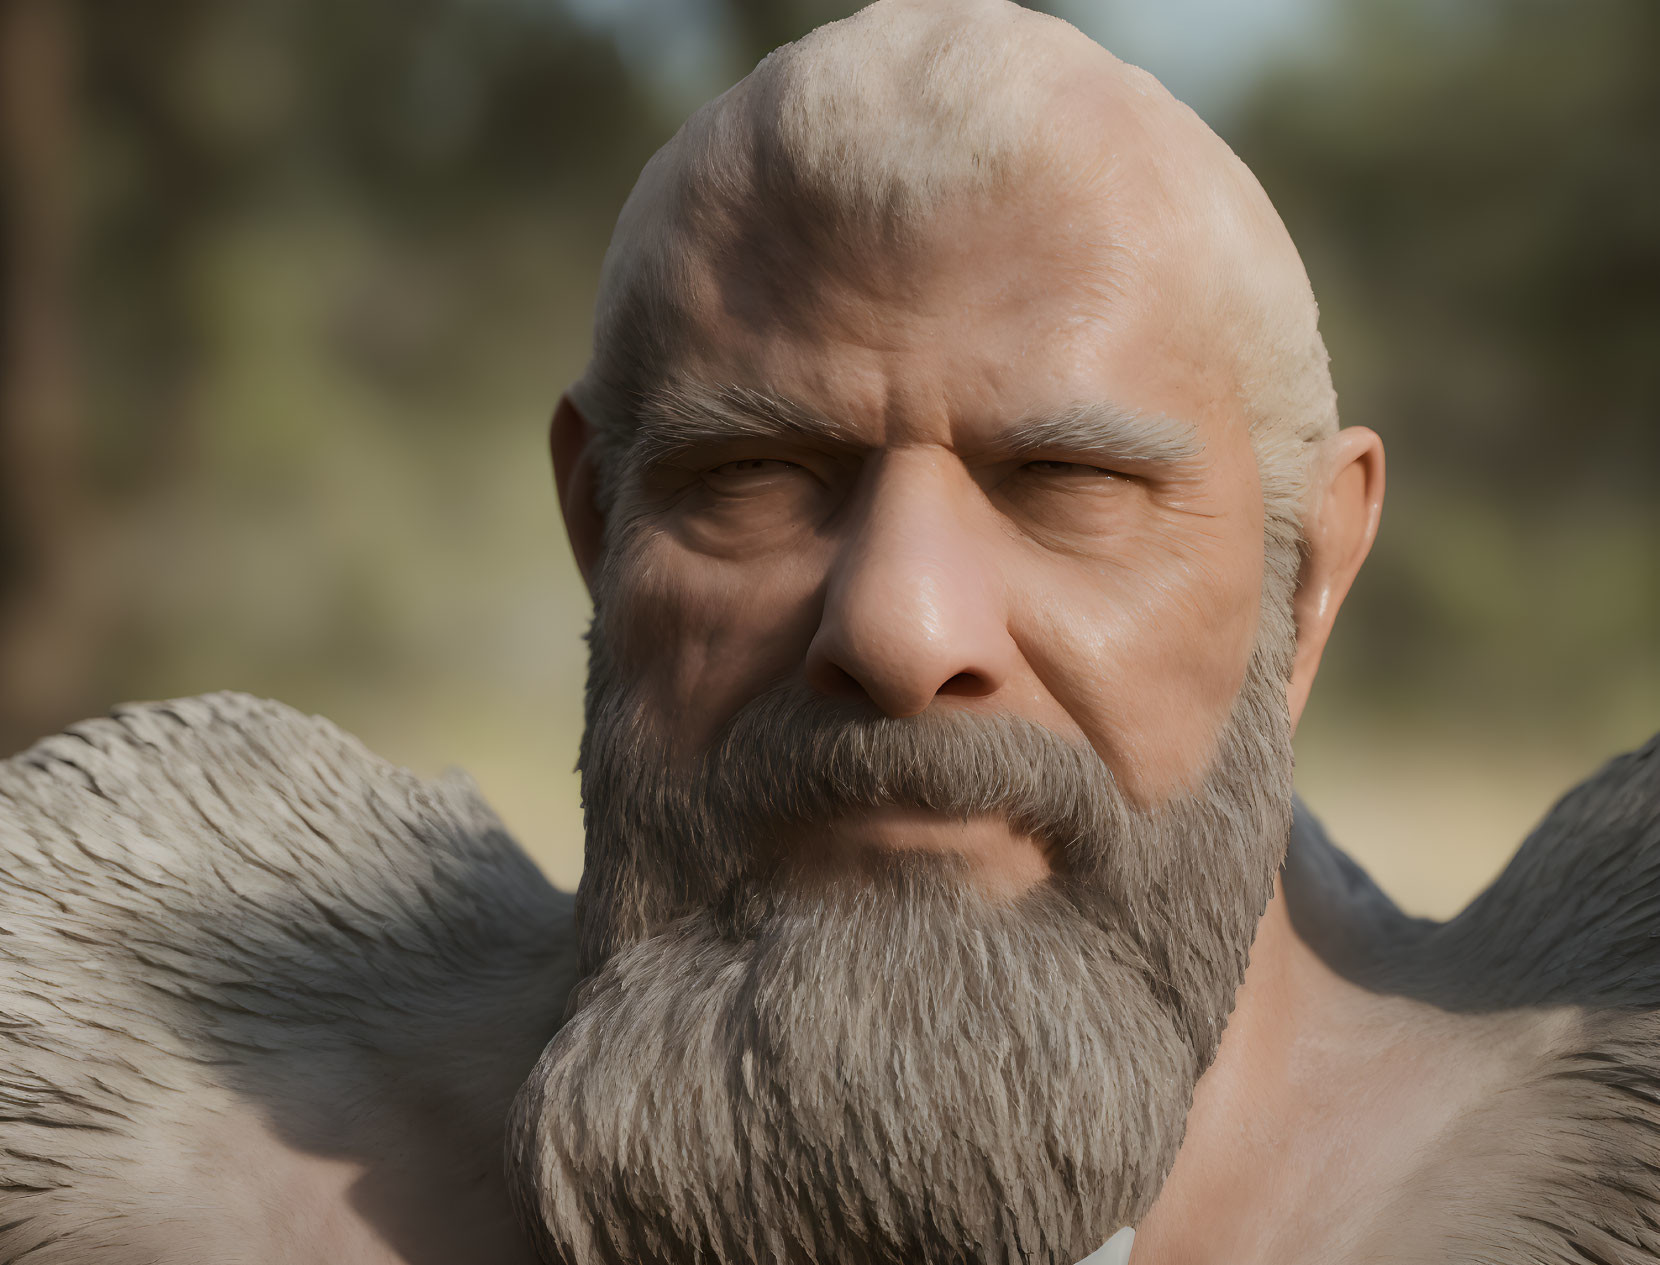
(792,756)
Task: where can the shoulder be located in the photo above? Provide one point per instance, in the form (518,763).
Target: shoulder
(1573,919)
(175,813)
(1560,1159)
(220,917)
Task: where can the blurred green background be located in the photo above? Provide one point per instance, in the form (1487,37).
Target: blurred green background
(291,287)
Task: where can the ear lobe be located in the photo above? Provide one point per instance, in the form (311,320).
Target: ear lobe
(1339,535)
(570,440)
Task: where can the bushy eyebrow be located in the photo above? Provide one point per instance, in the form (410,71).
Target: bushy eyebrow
(1107,432)
(672,420)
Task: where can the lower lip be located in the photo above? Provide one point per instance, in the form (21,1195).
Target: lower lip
(1000,860)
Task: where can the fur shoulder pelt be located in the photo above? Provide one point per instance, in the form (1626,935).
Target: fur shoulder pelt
(1560,1165)
(1574,918)
(217,907)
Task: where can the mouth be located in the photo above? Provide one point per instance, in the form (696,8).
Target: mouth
(998,859)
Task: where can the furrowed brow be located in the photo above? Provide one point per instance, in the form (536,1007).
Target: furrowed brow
(676,419)
(1109,433)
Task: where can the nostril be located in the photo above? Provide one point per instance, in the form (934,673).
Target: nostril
(827,678)
(966,685)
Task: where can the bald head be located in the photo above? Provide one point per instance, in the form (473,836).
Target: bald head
(845,154)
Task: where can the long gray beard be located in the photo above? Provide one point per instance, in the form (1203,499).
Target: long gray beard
(888,1067)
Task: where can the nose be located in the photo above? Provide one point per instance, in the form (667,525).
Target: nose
(913,609)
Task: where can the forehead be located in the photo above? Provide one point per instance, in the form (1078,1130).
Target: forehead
(993,312)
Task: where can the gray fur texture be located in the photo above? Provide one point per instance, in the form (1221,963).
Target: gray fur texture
(1563,1166)
(220,917)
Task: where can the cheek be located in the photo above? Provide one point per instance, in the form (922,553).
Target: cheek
(699,636)
(1147,652)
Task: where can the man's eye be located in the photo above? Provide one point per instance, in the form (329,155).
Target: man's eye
(1070,469)
(753,466)
(752,476)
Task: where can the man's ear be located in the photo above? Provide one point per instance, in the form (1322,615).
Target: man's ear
(1339,534)
(571,440)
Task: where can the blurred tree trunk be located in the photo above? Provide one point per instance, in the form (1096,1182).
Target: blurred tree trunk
(47,593)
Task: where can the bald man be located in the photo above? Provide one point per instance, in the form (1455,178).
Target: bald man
(959,485)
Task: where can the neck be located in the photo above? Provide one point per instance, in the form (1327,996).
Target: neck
(1247,1104)
(1321,1103)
